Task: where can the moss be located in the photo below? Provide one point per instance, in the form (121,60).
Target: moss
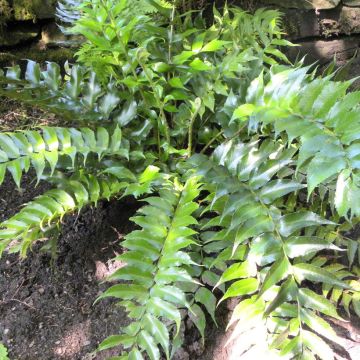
(5,11)
(33,9)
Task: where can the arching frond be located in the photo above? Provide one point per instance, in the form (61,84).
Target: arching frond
(53,147)
(46,211)
(323,118)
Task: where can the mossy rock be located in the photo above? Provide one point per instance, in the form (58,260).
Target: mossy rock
(21,34)
(23,10)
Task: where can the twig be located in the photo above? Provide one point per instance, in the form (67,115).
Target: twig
(21,302)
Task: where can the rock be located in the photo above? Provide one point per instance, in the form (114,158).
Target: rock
(350,20)
(324,51)
(34,9)
(305,4)
(41,290)
(351,2)
(52,37)
(300,24)
(20,34)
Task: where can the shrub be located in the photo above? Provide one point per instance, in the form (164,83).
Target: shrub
(248,168)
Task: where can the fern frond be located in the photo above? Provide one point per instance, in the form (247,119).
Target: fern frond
(156,263)
(68,11)
(323,119)
(77,97)
(53,147)
(46,211)
(262,232)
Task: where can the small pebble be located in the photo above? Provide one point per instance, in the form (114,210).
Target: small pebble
(6,331)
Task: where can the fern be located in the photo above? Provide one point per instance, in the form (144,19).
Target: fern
(251,164)
(245,205)
(78,97)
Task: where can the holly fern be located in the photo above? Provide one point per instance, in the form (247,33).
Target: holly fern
(248,166)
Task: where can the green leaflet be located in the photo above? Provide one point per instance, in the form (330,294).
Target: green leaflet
(116,340)
(317,274)
(311,300)
(278,271)
(241,287)
(289,224)
(303,245)
(286,293)
(317,345)
(207,298)
(3,352)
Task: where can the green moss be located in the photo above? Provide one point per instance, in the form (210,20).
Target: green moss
(33,9)
(5,11)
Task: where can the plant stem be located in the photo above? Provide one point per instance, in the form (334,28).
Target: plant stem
(211,141)
(171,36)
(191,126)
(158,101)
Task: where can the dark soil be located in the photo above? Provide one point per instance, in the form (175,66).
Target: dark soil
(46,303)
(46,306)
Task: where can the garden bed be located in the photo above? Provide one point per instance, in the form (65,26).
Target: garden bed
(47,309)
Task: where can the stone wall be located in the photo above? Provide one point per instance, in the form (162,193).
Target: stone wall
(324,28)
(28,30)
